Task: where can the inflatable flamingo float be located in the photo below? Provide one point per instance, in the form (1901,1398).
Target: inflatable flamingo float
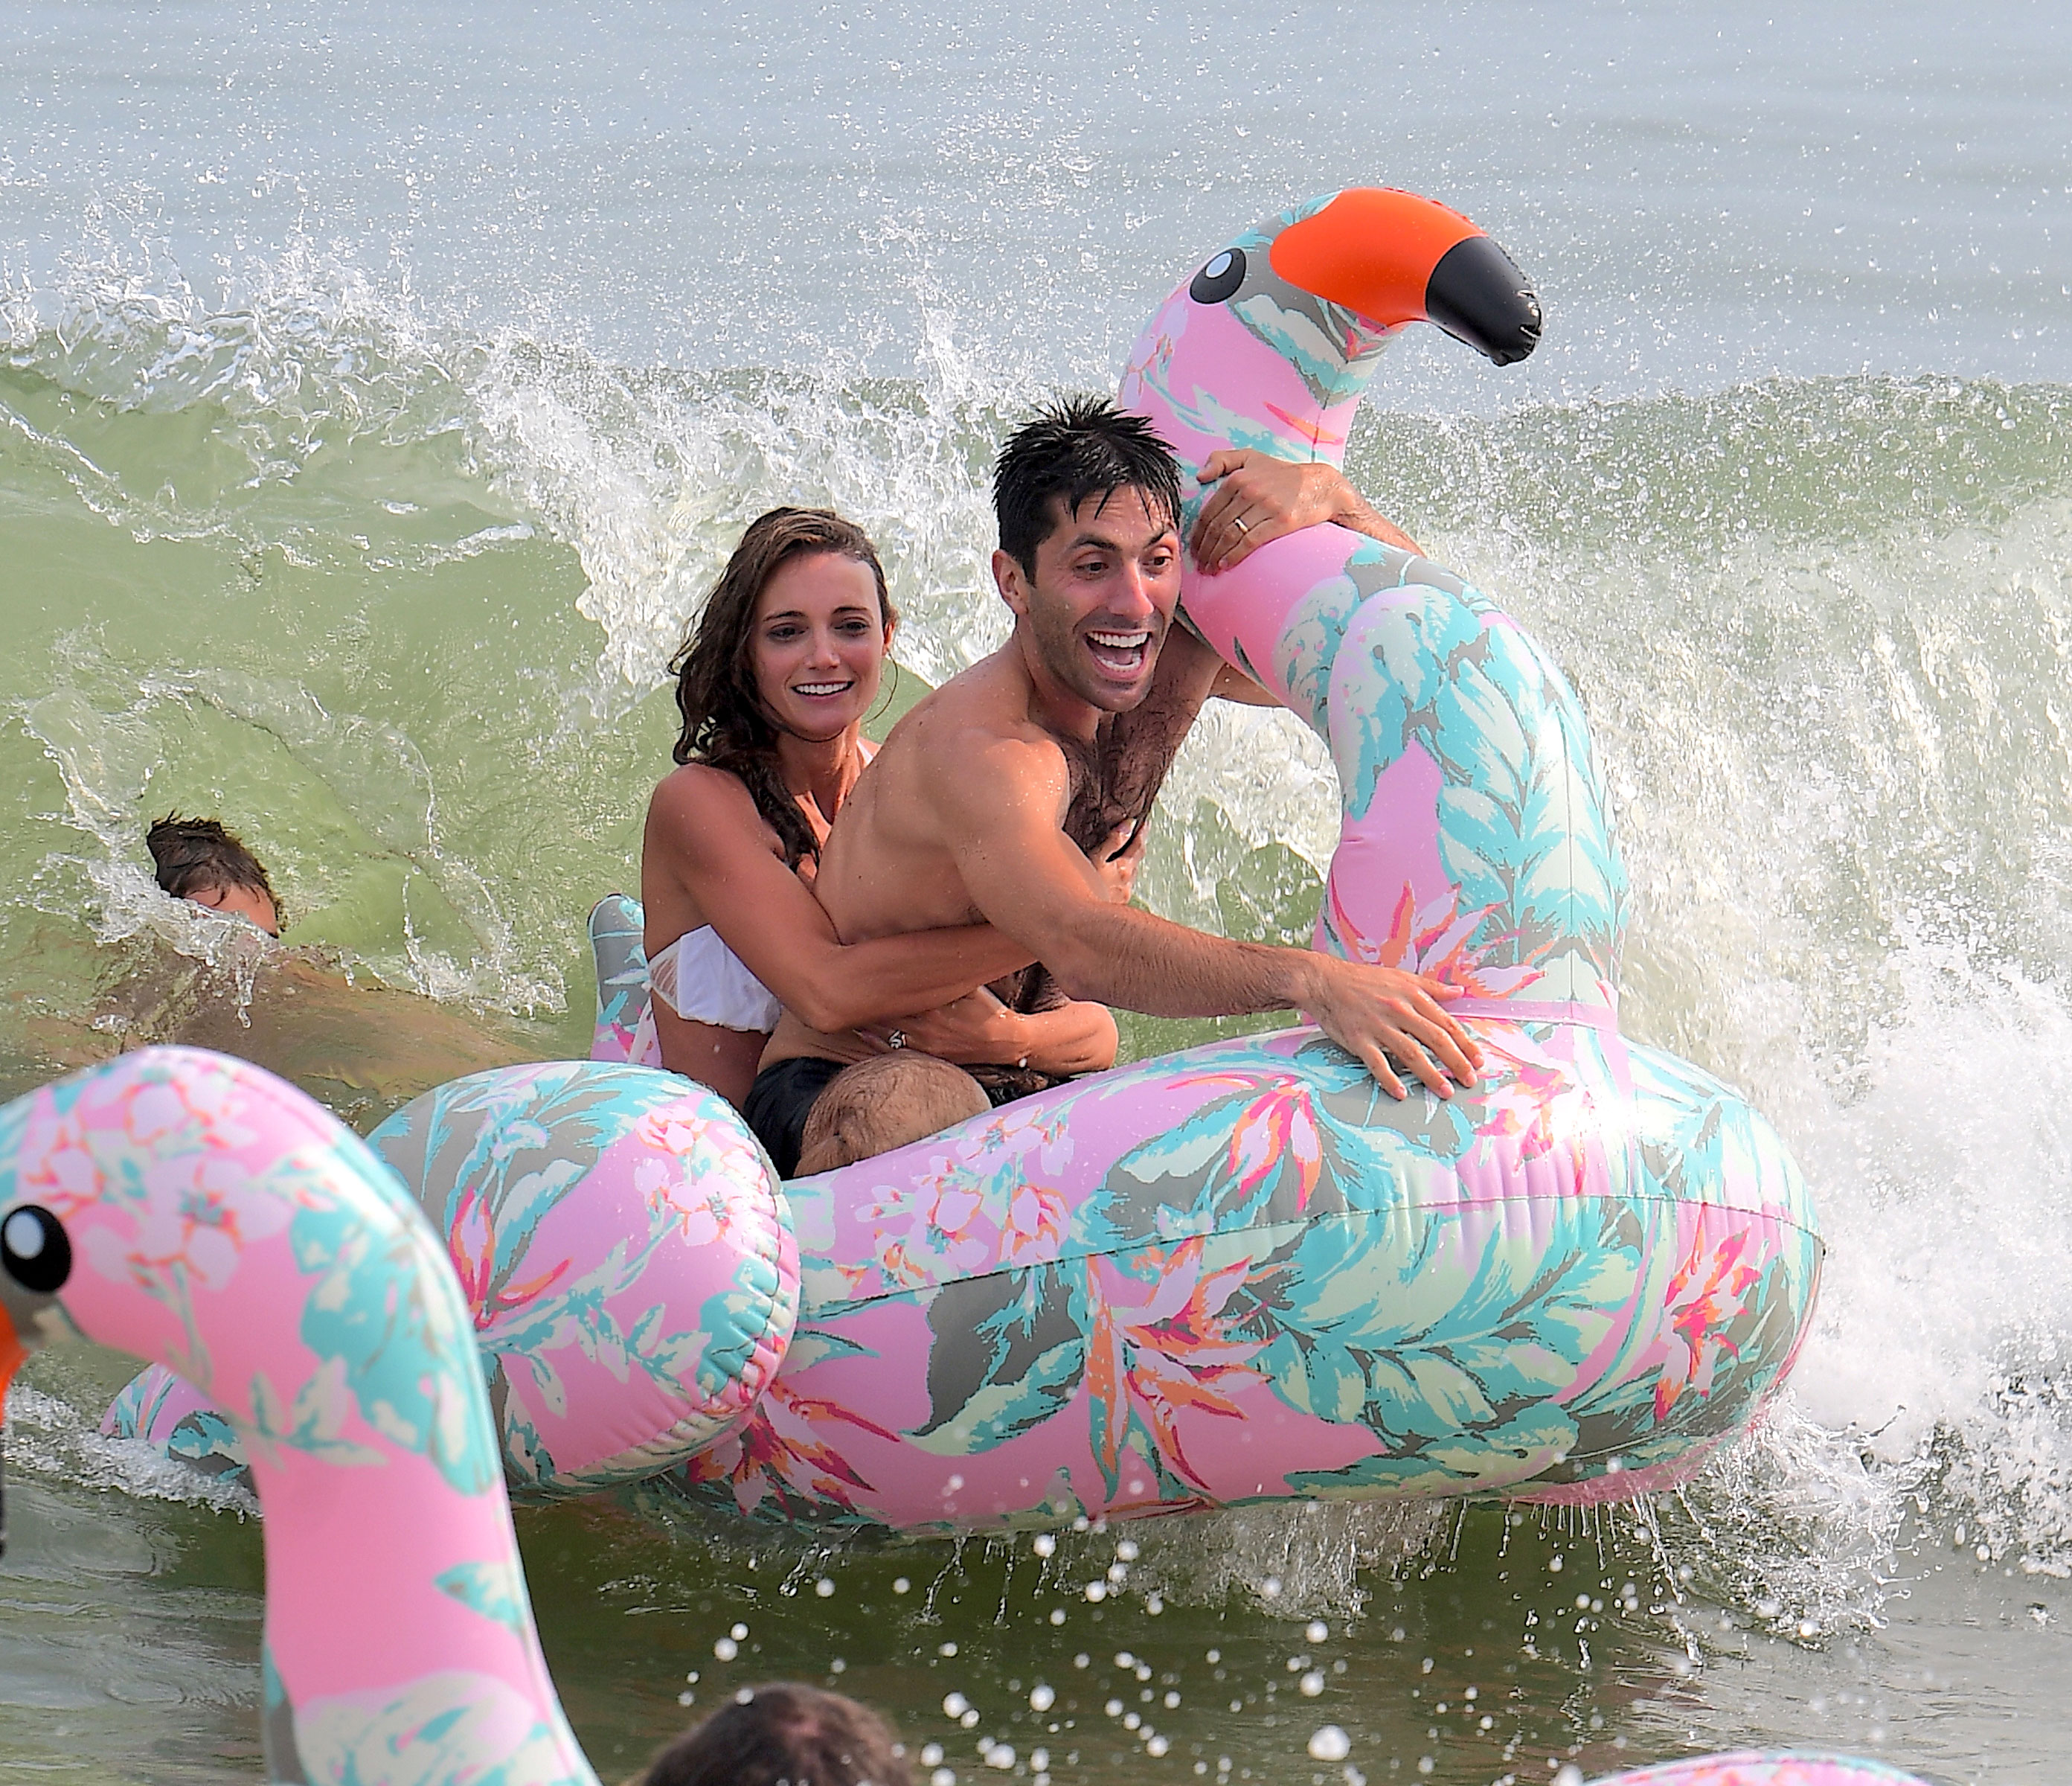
(1765,1767)
(198,1211)
(1240,1272)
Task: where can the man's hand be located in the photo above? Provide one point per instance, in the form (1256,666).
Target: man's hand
(1379,1013)
(1260,498)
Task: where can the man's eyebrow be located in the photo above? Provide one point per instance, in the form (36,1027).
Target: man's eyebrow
(1107,544)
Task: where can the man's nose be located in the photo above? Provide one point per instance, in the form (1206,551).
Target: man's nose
(1134,595)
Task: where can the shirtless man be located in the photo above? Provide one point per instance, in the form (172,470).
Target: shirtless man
(971,810)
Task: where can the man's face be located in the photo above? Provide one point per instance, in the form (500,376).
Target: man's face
(1097,612)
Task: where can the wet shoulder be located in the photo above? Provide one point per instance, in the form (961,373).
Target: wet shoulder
(976,710)
(696,805)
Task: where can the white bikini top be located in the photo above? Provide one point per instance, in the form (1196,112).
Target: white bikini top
(703,981)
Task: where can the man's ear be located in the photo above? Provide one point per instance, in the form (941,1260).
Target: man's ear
(1013,581)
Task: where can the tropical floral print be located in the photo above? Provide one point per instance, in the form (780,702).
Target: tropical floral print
(616,1234)
(625,1027)
(175,1419)
(1291,1284)
(409,1652)
(454,1726)
(1750,1768)
(219,1220)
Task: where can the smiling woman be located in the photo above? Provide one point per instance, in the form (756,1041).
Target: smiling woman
(774,684)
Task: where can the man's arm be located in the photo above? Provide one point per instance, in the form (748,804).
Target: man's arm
(998,815)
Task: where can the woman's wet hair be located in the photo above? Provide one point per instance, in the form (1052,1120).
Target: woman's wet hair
(784,1735)
(1081,447)
(726,724)
(197,855)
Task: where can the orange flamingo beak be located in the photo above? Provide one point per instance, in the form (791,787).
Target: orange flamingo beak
(1395,258)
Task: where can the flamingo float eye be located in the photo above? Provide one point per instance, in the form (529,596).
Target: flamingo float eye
(35,1250)
(1219,278)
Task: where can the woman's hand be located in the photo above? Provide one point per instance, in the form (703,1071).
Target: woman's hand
(1117,859)
(1260,498)
(976,1029)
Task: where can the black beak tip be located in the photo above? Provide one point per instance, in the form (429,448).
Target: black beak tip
(1476,295)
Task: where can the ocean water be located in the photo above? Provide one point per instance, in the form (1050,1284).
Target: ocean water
(382,387)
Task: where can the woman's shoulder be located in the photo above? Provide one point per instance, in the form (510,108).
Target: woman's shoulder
(696,801)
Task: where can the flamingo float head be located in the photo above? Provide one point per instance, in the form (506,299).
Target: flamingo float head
(1271,343)
(198,1211)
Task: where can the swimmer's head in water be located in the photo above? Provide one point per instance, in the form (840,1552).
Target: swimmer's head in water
(783,1733)
(1089,502)
(197,859)
(734,713)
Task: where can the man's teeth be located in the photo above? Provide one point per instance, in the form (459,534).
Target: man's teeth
(1120,641)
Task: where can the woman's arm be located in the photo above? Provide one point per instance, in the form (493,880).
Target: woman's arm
(1078,1036)
(705,837)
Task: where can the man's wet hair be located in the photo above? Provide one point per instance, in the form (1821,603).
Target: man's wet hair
(1080,448)
(785,1735)
(194,855)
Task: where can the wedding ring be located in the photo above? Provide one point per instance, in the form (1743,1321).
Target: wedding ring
(896,1039)
(1238,522)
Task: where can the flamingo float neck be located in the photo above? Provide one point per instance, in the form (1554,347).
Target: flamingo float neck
(217,1220)
(1477,842)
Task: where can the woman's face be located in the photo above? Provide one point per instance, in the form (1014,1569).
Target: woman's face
(819,645)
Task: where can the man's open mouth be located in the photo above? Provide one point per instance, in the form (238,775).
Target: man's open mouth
(1121,652)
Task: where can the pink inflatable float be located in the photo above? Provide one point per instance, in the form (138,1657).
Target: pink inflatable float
(197,1211)
(629,1266)
(1239,1272)
(1768,1767)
